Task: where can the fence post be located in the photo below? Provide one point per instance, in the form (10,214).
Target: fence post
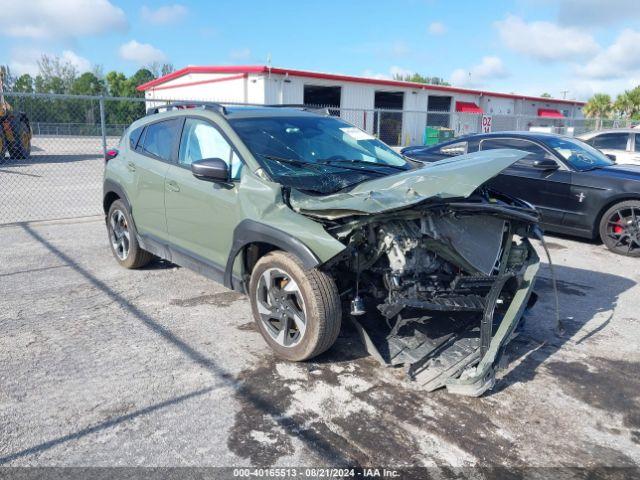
(378,125)
(103,126)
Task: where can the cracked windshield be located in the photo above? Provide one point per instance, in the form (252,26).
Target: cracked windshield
(317,154)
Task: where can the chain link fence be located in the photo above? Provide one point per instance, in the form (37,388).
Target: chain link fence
(62,175)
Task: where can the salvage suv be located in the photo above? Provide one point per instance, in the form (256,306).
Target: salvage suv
(312,217)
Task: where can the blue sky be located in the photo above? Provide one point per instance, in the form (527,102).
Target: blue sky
(522,46)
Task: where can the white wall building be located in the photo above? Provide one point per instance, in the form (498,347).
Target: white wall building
(360,99)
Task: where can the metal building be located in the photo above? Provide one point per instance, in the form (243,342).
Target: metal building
(397,111)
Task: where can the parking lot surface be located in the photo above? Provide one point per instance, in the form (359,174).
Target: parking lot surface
(103,366)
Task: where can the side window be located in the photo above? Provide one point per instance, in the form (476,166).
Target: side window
(160,139)
(134,136)
(536,152)
(637,142)
(459,148)
(202,140)
(611,141)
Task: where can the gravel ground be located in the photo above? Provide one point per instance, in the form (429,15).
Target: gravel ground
(102,366)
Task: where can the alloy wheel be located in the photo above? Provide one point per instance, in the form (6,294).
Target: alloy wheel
(281,307)
(623,226)
(119,233)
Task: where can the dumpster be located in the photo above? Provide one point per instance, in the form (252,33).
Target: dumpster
(433,135)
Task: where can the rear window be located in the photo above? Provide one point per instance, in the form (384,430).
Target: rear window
(134,136)
(611,141)
(160,139)
(536,152)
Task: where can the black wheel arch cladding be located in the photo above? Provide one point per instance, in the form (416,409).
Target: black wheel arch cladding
(249,232)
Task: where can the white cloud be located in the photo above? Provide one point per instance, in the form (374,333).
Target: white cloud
(51,19)
(24,60)
(240,54)
(82,64)
(617,61)
(489,68)
(437,28)
(164,15)
(545,41)
(141,53)
(597,13)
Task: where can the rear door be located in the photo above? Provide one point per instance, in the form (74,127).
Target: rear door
(549,191)
(202,215)
(155,151)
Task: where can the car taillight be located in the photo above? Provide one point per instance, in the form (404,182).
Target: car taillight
(110,154)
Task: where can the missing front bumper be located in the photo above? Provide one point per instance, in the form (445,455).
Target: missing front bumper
(454,350)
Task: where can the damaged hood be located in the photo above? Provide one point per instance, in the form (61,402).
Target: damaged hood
(457,177)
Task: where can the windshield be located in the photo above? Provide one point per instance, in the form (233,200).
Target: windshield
(578,154)
(322,154)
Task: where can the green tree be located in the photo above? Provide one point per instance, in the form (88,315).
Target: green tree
(55,75)
(546,95)
(24,84)
(598,107)
(417,78)
(87,84)
(141,76)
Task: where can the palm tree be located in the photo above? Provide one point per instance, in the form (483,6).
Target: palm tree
(598,107)
(623,105)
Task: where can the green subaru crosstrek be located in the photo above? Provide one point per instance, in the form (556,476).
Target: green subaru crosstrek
(312,217)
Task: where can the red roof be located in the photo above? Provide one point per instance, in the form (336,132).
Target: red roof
(468,107)
(246,69)
(549,113)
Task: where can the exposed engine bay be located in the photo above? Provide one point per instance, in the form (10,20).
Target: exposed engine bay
(440,287)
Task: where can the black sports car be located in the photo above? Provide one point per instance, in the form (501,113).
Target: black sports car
(576,188)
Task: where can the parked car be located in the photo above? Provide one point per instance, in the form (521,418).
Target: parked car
(620,144)
(577,189)
(306,213)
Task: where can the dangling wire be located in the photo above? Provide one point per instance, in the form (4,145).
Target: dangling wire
(559,327)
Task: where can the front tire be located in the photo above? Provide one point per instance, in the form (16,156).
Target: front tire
(620,228)
(297,311)
(122,238)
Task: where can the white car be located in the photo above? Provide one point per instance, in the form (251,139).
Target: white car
(623,143)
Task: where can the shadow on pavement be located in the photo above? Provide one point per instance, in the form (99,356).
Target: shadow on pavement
(314,442)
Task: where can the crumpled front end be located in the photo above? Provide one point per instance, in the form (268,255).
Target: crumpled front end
(439,288)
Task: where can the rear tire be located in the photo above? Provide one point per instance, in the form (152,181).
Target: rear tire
(297,311)
(123,239)
(20,148)
(620,228)
(3,147)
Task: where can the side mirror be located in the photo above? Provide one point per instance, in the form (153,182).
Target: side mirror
(110,154)
(211,170)
(546,164)
(611,157)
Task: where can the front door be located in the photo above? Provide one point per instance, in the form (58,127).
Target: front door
(547,190)
(202,215)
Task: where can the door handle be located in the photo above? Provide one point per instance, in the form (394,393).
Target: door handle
(173,186)
(131,166)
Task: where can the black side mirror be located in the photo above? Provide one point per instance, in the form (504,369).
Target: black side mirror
(211,170)
(611,157)
(546,164)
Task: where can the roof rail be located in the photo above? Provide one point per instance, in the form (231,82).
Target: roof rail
(307,108)
(183,105)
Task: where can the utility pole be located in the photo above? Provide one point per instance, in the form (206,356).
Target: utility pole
(564,93)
